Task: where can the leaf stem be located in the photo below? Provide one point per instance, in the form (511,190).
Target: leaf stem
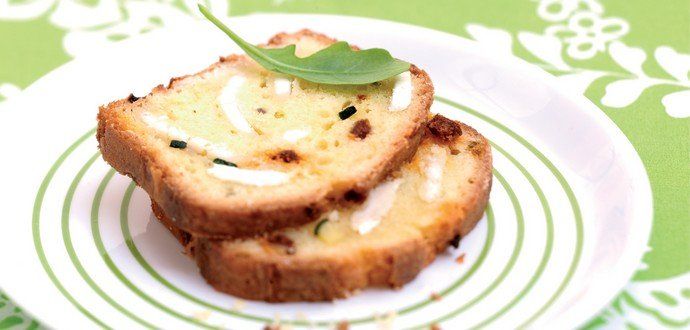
(237,39)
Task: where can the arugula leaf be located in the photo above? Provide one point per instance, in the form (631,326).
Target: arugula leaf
(337,64)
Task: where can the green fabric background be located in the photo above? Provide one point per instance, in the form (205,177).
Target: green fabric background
(31,48)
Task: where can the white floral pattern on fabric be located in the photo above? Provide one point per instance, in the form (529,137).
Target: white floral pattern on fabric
(496,40)
(646,305)
(588,34)
(584,29)
(651,305)
(677,65)
(11,10)
(141,17)
(7,91)
(624,92)
(12,317)
(559,10)
(546,48)
(90,26)
(677,104)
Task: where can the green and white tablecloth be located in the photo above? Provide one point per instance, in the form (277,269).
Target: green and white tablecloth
(631,58)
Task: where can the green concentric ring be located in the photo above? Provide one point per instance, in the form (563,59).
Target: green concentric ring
(548,249)
(145,265)
(124,280)
(95,207)
(560,178)
(506,269)
(124,221)
(67,238)
(102,251)
(139,258)
(36,231)
(130,244)
(577,213)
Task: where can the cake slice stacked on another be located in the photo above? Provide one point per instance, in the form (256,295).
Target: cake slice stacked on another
(236,150)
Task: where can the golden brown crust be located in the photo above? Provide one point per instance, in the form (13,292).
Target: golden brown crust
(128,154)
(284,38)
(280,277)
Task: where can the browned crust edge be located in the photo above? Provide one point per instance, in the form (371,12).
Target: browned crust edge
(125,152)
(277,277)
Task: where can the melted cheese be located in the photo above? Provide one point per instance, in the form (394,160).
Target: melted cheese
(162,126)
(377,205)
(219,151)
(228,102)
(402,92)
(294,135)
(257,178)
(199,145)
(433,164)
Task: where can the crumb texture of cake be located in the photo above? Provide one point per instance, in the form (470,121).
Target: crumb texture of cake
(236,150)
(404,223)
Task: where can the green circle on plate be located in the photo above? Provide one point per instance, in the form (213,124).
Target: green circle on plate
(137,255)
(124,221)
(94,214)
(67,239)
(45,183)
(575,206)
(36,231)
(506,269)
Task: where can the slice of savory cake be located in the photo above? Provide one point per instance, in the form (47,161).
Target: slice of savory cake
(406,220)
(236,150)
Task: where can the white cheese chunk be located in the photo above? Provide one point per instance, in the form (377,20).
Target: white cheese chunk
(158,123)
(198,144)
(257,178)
(402,92)
(377,205)
(295,135)
(282,86)
(162,126)
(228,102)
(433,164)
(218,151)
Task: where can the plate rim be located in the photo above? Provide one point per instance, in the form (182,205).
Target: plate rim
(612,130)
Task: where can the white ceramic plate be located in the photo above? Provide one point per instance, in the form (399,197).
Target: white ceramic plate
(568,222)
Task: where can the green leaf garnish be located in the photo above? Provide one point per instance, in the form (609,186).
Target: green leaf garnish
(337,64)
